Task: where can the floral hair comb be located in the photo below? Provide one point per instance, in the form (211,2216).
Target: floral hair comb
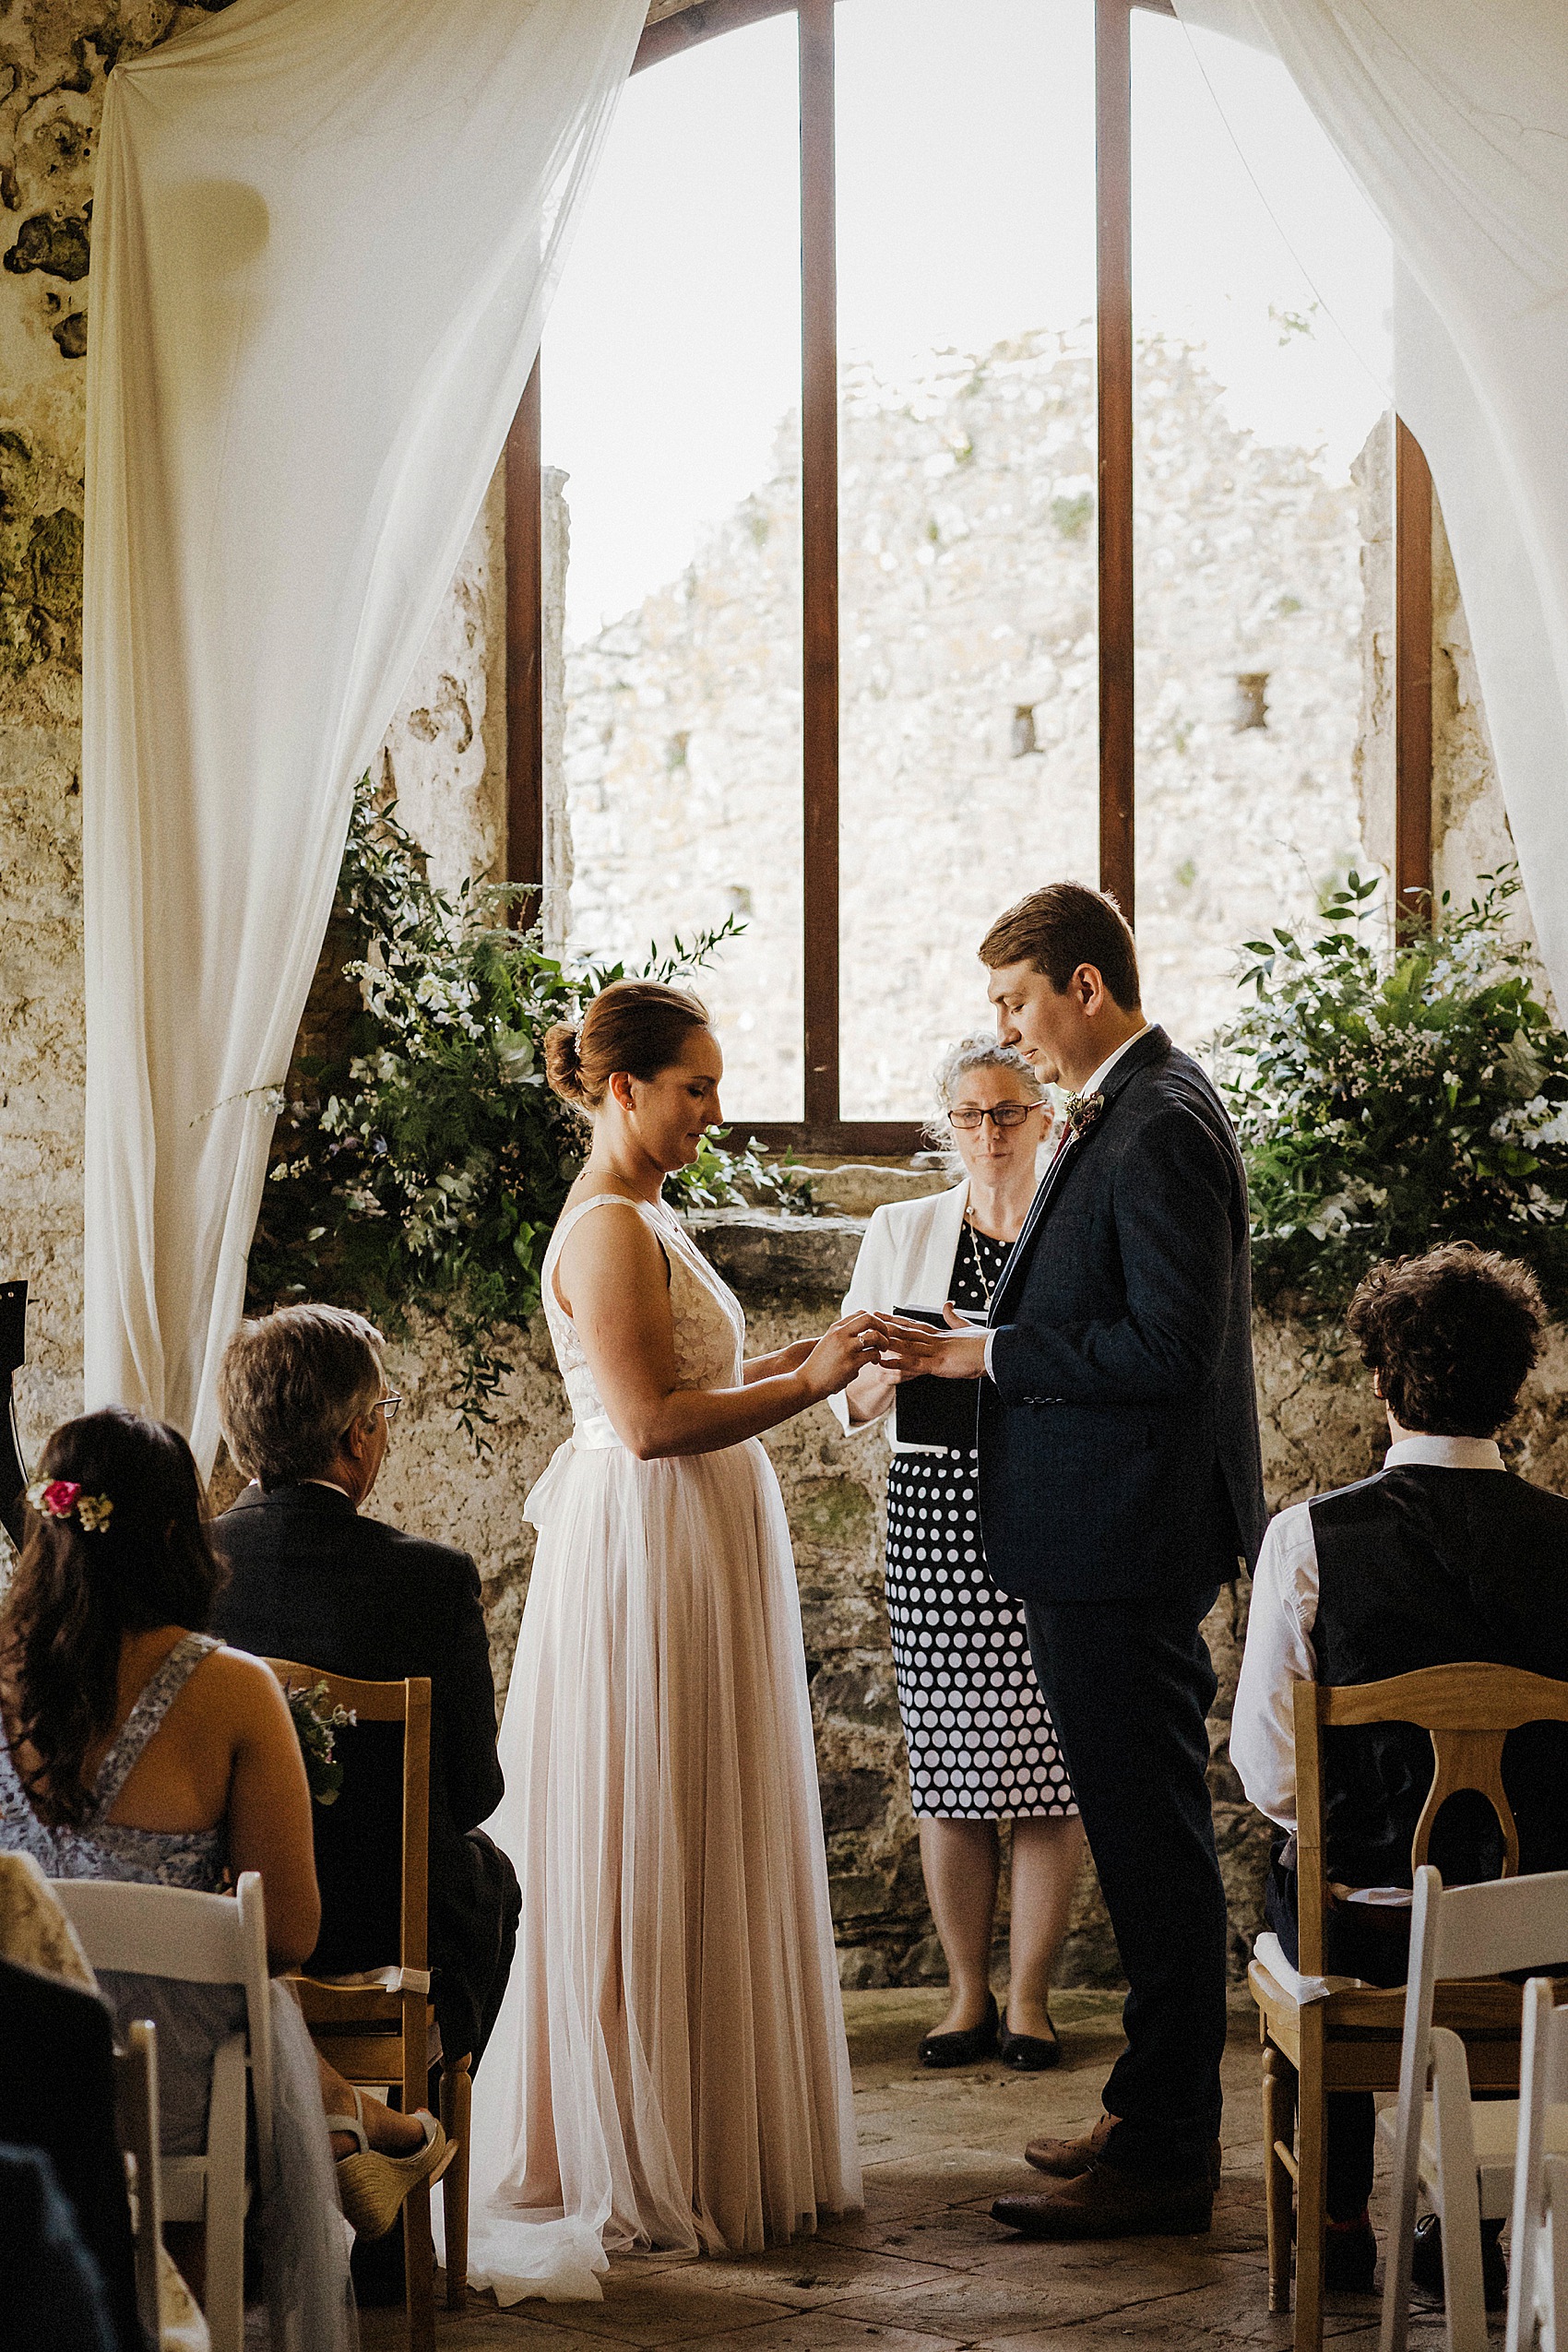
(62,1498)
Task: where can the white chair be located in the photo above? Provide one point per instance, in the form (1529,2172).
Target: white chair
(207,1940)
(1537,2231)
(136,2105)
(1461,2152)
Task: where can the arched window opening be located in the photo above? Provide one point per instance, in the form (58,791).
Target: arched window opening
(933,532)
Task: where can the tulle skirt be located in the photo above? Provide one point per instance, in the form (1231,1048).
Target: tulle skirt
(669,2069)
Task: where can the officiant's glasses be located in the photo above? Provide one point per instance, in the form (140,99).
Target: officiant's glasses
(1005,1114)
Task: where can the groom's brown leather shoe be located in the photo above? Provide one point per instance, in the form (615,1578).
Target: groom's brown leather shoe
(1067,2159)
(1107,2202)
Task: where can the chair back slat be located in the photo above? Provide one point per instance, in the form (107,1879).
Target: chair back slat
(1468,1762)
(1474,1697)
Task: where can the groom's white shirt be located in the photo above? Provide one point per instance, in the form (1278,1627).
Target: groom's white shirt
(1280,1651)
(1097,1080)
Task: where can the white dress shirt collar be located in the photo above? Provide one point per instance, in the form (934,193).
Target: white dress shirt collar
(1445,1453)
(1110,1061)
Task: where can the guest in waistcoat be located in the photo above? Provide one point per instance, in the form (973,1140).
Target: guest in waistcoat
(1442,1558)
(313,1577)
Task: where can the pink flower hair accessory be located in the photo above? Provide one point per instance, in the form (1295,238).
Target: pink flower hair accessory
(62,1498)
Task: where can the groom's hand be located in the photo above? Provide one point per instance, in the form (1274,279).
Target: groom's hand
(911,1348)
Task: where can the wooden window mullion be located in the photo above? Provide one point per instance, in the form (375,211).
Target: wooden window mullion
(1413,676)
(819,566)
(525,658)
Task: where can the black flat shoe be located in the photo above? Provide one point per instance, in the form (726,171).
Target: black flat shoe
(1426,2262)
(1028,2054)
(962,2049)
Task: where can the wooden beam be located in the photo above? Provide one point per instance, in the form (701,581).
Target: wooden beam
(525,663)
(1113,217)
(1412,677)
(704,21)
(819,562)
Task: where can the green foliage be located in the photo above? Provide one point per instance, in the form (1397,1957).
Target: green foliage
(1391,1096)
(425,1164)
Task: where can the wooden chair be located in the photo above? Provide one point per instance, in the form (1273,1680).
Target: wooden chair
(378,2028)
(1462,2153)
(207,1940)
(1350,2041)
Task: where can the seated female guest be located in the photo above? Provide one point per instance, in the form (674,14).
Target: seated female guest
(132,1745)
(981,1745)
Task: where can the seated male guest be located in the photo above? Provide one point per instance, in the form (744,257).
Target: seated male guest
(1441,1557)
(305,1409)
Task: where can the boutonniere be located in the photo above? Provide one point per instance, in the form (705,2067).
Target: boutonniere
(1083,1109)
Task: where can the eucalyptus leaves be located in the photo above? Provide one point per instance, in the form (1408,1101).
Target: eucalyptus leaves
(1388,1096)
(426,1163)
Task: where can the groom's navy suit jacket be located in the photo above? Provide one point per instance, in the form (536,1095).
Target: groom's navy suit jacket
(1119,1456)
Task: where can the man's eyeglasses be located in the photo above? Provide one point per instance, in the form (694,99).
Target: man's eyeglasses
(1005,1114)
(387,1405)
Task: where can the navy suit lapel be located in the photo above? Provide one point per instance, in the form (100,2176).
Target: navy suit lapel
(1145,1048)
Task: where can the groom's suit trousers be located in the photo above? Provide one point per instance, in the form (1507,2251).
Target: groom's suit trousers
(1129,1685)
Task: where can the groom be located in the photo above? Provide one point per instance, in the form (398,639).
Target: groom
(1119,1487)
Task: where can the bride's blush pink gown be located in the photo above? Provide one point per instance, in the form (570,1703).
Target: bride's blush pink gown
(669,2069)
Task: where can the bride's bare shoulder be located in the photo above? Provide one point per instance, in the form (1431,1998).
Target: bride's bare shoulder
(607,1247)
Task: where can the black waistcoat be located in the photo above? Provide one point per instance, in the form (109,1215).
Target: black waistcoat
(1424,1566)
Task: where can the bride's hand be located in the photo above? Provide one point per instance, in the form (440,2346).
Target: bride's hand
(845,1348)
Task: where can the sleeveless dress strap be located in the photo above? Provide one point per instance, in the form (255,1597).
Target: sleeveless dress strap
(596,1200)
(157,1697)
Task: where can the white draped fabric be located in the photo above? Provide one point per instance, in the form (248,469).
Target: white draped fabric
(1453,117)
(325,237)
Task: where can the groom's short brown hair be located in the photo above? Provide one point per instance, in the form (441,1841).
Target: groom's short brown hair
(1061,927)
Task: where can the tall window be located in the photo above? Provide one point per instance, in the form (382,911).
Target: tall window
(960,477)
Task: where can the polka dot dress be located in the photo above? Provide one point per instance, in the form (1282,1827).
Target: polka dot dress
(980,1743)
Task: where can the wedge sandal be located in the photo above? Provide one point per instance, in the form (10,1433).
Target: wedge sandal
(374,2187)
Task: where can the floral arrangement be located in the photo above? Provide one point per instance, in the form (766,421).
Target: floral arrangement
(316,1725)
(426,1163)
(62,1498)
(1389,1094)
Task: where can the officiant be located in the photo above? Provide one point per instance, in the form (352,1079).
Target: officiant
(981,1745)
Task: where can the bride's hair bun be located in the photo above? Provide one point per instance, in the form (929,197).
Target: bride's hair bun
(563,1061)
(639,1026)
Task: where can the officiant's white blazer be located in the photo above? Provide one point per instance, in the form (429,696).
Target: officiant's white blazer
(905,1260)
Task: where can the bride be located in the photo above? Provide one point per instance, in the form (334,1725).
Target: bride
(669,2069)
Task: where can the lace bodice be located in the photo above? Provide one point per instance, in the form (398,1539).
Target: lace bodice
(103,1849)
(710,1329)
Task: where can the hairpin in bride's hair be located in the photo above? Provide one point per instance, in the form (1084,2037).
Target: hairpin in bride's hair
(62,1498)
